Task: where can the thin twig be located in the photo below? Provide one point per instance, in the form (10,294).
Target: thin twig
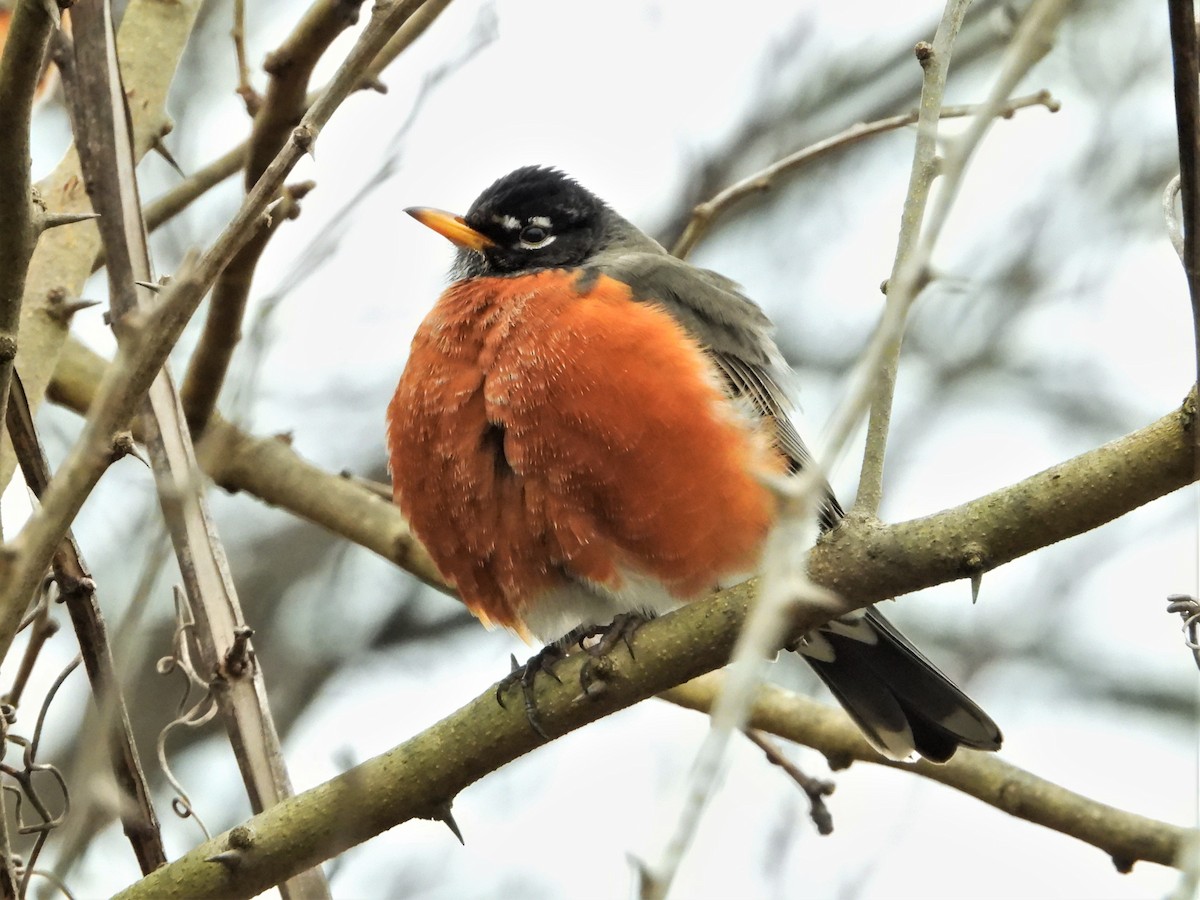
(245,88)
(814,788)
(1186,60)
(706,213)
(1124,836)
(78,591)
(920,232)
(935,64)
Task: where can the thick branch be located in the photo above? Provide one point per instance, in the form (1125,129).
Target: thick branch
(421,777)
(859,561)
(20,72)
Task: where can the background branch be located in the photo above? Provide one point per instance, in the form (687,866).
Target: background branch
(290,67)
(706,213)
(1125,836)
(78,591)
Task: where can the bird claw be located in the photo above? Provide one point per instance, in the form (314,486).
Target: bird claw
(591,681)
(542,661)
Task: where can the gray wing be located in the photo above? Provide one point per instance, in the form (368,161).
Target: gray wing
(735,333)
(902,701)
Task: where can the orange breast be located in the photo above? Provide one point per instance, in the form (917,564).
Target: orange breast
(540,435)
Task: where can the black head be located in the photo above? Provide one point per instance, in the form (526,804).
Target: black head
(533,218)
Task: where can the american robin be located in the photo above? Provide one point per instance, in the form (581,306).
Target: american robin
(582,431)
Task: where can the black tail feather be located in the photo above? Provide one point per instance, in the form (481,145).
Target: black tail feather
(903,703)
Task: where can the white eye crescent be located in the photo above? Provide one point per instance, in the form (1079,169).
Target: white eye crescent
(535,235)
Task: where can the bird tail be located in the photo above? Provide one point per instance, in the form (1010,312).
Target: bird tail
(903,703)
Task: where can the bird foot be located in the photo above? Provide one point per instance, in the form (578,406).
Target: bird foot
(620,630)
(597,641)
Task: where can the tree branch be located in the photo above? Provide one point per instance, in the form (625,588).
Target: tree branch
(144,352)
(1125,836)
(290,67)
(935,64)
(78,590)
(20,72)
(706,213)
(858,560)
(103,136)
(1186,59)
(421,777)
(152,37)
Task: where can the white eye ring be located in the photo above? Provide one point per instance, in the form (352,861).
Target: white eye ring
(534,236)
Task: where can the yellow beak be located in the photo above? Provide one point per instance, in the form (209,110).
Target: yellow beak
(451,227)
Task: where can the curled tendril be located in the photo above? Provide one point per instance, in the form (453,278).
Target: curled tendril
(187,716)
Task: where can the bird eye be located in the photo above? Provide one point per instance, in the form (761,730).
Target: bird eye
(534,236)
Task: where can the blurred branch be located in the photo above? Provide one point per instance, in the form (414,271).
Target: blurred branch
(271,470)
(704,214)
(142,354)
(168,205)
(290,67)
(421,777)
(1186,59)
(104,138)
(20,72)
(814,788)
(918,235)
(926,166)
(153,35)
(78,591)
(245,89)
(1125,836)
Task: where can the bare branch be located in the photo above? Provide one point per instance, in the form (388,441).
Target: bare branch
(706,213)
(106,153)
(1124,836)
(144,350)
(20,72)
(935,64)
(153,35)
(78,591)
(482,736)
(1186,59)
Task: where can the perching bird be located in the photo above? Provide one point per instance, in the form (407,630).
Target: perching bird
(582,431)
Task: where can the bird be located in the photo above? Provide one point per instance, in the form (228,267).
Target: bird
(584,433)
